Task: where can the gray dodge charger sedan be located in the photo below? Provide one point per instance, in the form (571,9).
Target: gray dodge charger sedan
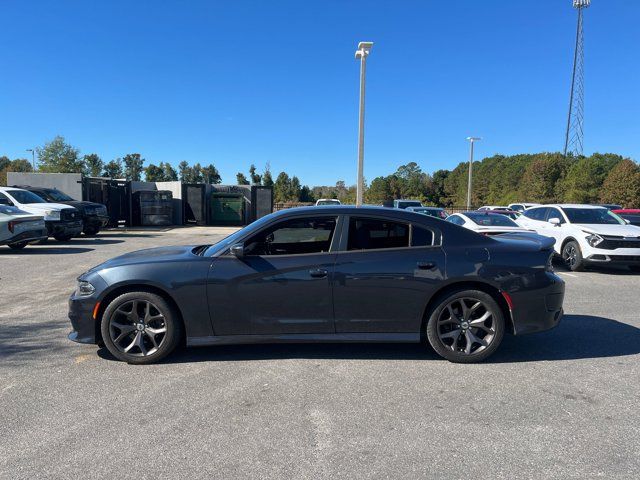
(324,274)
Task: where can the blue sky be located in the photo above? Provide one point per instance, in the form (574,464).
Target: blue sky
(240,82)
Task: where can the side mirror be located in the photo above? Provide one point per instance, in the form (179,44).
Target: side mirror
(237,250)
(554,221)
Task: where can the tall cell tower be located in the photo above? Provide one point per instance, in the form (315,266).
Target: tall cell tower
(573,141)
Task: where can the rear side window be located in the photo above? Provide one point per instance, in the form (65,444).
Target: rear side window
(370,233)
(421,237)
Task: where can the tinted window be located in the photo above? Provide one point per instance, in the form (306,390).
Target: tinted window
(56,196)
(592,215)
(536,213)
(491,220)
(455,219)
(369,233)
(23,196)
(4,200)
(296,236)
(421,237)
(555,213)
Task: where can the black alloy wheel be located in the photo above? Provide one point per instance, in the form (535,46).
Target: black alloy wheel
(572,256)
(140,327)
(466,326)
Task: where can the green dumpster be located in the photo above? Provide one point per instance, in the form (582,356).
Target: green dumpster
(226,209)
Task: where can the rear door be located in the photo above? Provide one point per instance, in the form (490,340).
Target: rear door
(385,273)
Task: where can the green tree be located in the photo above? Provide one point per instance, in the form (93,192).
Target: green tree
(133,166)
(93,165)
(379,191)
(169,173)
(541,178)
(113,169)
(211,174)
(57,156)
(255,177)
(184,171)
(154,173)
(242,180)
(282,188)
(584,179)
(267,179)
(306,195)
(294,189)
(622,185)
(17,165)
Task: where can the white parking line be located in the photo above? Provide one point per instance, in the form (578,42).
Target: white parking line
(568,274)
(9,256)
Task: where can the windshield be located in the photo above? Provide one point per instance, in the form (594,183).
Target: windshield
(57,196)
(24,196)
(597,216)
(491,220)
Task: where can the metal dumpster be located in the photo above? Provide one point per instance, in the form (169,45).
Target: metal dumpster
(152,207)
(226,209)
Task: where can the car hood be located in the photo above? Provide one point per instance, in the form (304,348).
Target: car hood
(149,255)
(45,206)
(613,230)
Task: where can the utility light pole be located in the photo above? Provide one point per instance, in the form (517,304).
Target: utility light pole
(471,140)
(33,157)
(364,48)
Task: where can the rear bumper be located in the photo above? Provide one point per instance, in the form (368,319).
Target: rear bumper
(538,309)
(64,228)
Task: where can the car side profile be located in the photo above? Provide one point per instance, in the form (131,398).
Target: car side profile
(18,228)
(586,234)
(63,222)
(94,215)
(486,222)
(323,274)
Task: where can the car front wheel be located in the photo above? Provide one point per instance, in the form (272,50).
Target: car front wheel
(18,246)
(572,256)
(466,326)
(140,328)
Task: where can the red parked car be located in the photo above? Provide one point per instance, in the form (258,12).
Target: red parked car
(631,214)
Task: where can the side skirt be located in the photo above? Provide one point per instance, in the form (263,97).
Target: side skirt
(305,338)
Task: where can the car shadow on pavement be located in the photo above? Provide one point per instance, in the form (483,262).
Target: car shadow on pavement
(91,241)
(39,250)
(577,337)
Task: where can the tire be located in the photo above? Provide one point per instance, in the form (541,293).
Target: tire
(141,337)
(572,256)
(91,231)
(63,238)
(18,246)
(451,331)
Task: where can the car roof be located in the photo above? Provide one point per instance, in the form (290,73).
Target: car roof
(10,189)
(569,205)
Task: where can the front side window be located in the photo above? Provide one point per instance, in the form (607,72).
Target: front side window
(536,214)
(293,237)
(371,233)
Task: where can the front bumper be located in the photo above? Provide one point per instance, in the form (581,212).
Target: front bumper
(82,321)
(540,308)
(619,256)
(28,236)
(99,221)
(70,228)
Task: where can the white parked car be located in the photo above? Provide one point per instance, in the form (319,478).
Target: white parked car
(521,207)
(586,234)
(63,222)
(18,228)
(493,207)
(328,201)
(486,223)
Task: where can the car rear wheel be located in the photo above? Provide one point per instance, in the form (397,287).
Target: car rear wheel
(140,328)
(18,246)
(572,256)
(466,326)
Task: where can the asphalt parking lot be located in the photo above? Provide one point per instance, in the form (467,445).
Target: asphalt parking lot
(561,404)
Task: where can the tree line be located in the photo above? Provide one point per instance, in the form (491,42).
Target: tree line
(499,180)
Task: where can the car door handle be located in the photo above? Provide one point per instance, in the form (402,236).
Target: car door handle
(318,273)
(426,265)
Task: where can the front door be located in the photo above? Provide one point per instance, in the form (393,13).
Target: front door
(281,285)
(386,276)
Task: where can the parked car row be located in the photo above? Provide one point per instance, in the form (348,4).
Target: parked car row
(61,217)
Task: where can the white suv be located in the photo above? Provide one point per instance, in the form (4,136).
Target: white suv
(586,234)
(63,222)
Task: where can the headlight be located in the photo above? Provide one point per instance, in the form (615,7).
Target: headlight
(52,214)
(84,289)
(594,239)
